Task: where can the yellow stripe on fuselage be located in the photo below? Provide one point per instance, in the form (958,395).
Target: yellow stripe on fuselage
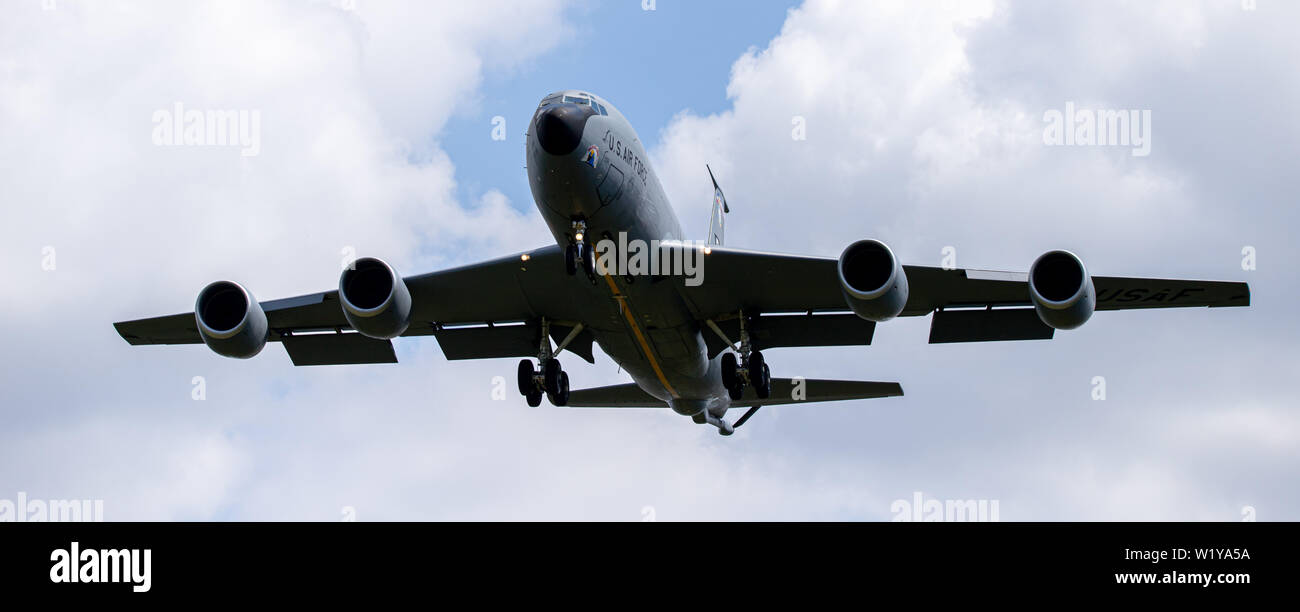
(640,337)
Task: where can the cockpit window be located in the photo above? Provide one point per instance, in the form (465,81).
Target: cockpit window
(597,106)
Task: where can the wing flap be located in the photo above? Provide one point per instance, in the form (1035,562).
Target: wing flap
(795,330)
(338,349)
(988,326)
(521,340)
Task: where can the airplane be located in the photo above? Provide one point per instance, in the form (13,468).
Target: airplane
(692,343)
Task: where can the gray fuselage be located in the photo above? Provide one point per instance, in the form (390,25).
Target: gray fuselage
(639,321)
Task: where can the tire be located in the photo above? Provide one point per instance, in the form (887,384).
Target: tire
(764,387)
(571,260)
(534,398)
(551,372)
(736,392)
(561,396)
(729,369)
(526,373)
(756,363)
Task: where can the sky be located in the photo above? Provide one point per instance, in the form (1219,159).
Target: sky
(917,123)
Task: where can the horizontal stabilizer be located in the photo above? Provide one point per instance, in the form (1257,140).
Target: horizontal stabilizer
(784,391)
(809,390)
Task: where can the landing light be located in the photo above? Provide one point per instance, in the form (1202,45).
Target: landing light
(578,237)
(708,250)
(523,257)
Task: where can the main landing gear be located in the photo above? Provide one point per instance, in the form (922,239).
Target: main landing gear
(549,378)
(750,370)
(579,255)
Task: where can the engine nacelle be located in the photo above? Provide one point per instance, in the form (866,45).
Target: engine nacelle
(375,299)
(872,280)
(230,321)
(1061,290)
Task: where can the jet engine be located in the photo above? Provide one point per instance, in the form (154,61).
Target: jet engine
(1061,290)
(230,321)
(872,280)
(375,299)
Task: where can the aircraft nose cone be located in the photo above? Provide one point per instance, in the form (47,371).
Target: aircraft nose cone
(559,127)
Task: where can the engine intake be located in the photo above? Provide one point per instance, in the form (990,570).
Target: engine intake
(375,299)
(873,282)
(1061,290)
(230,321)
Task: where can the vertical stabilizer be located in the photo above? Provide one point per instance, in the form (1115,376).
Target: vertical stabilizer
(717,224)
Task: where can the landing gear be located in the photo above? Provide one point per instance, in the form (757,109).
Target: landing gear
(751,370)
(551,372)
(755,373)
(526,375)
(730,378)
(560,396)
(550,379)
(578,255)
(759,375)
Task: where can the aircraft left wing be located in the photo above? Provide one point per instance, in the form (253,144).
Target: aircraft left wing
(482,310)
(969,305)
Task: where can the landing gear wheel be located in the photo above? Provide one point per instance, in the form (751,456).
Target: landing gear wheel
(561,396)
(551,372)
(736,391)
(729,370)
(759,375)
(756,363)
(763,388)
(534,398)
(526,373)
(588,260)
(571,256)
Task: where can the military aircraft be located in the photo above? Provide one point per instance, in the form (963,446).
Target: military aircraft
(691,330)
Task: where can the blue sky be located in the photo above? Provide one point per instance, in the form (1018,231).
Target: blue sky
(650,64)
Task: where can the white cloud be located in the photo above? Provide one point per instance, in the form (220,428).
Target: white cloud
(924,128)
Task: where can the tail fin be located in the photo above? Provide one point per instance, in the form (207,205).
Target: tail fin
(717,227)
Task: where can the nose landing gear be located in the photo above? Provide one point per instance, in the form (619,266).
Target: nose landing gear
(579,255)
